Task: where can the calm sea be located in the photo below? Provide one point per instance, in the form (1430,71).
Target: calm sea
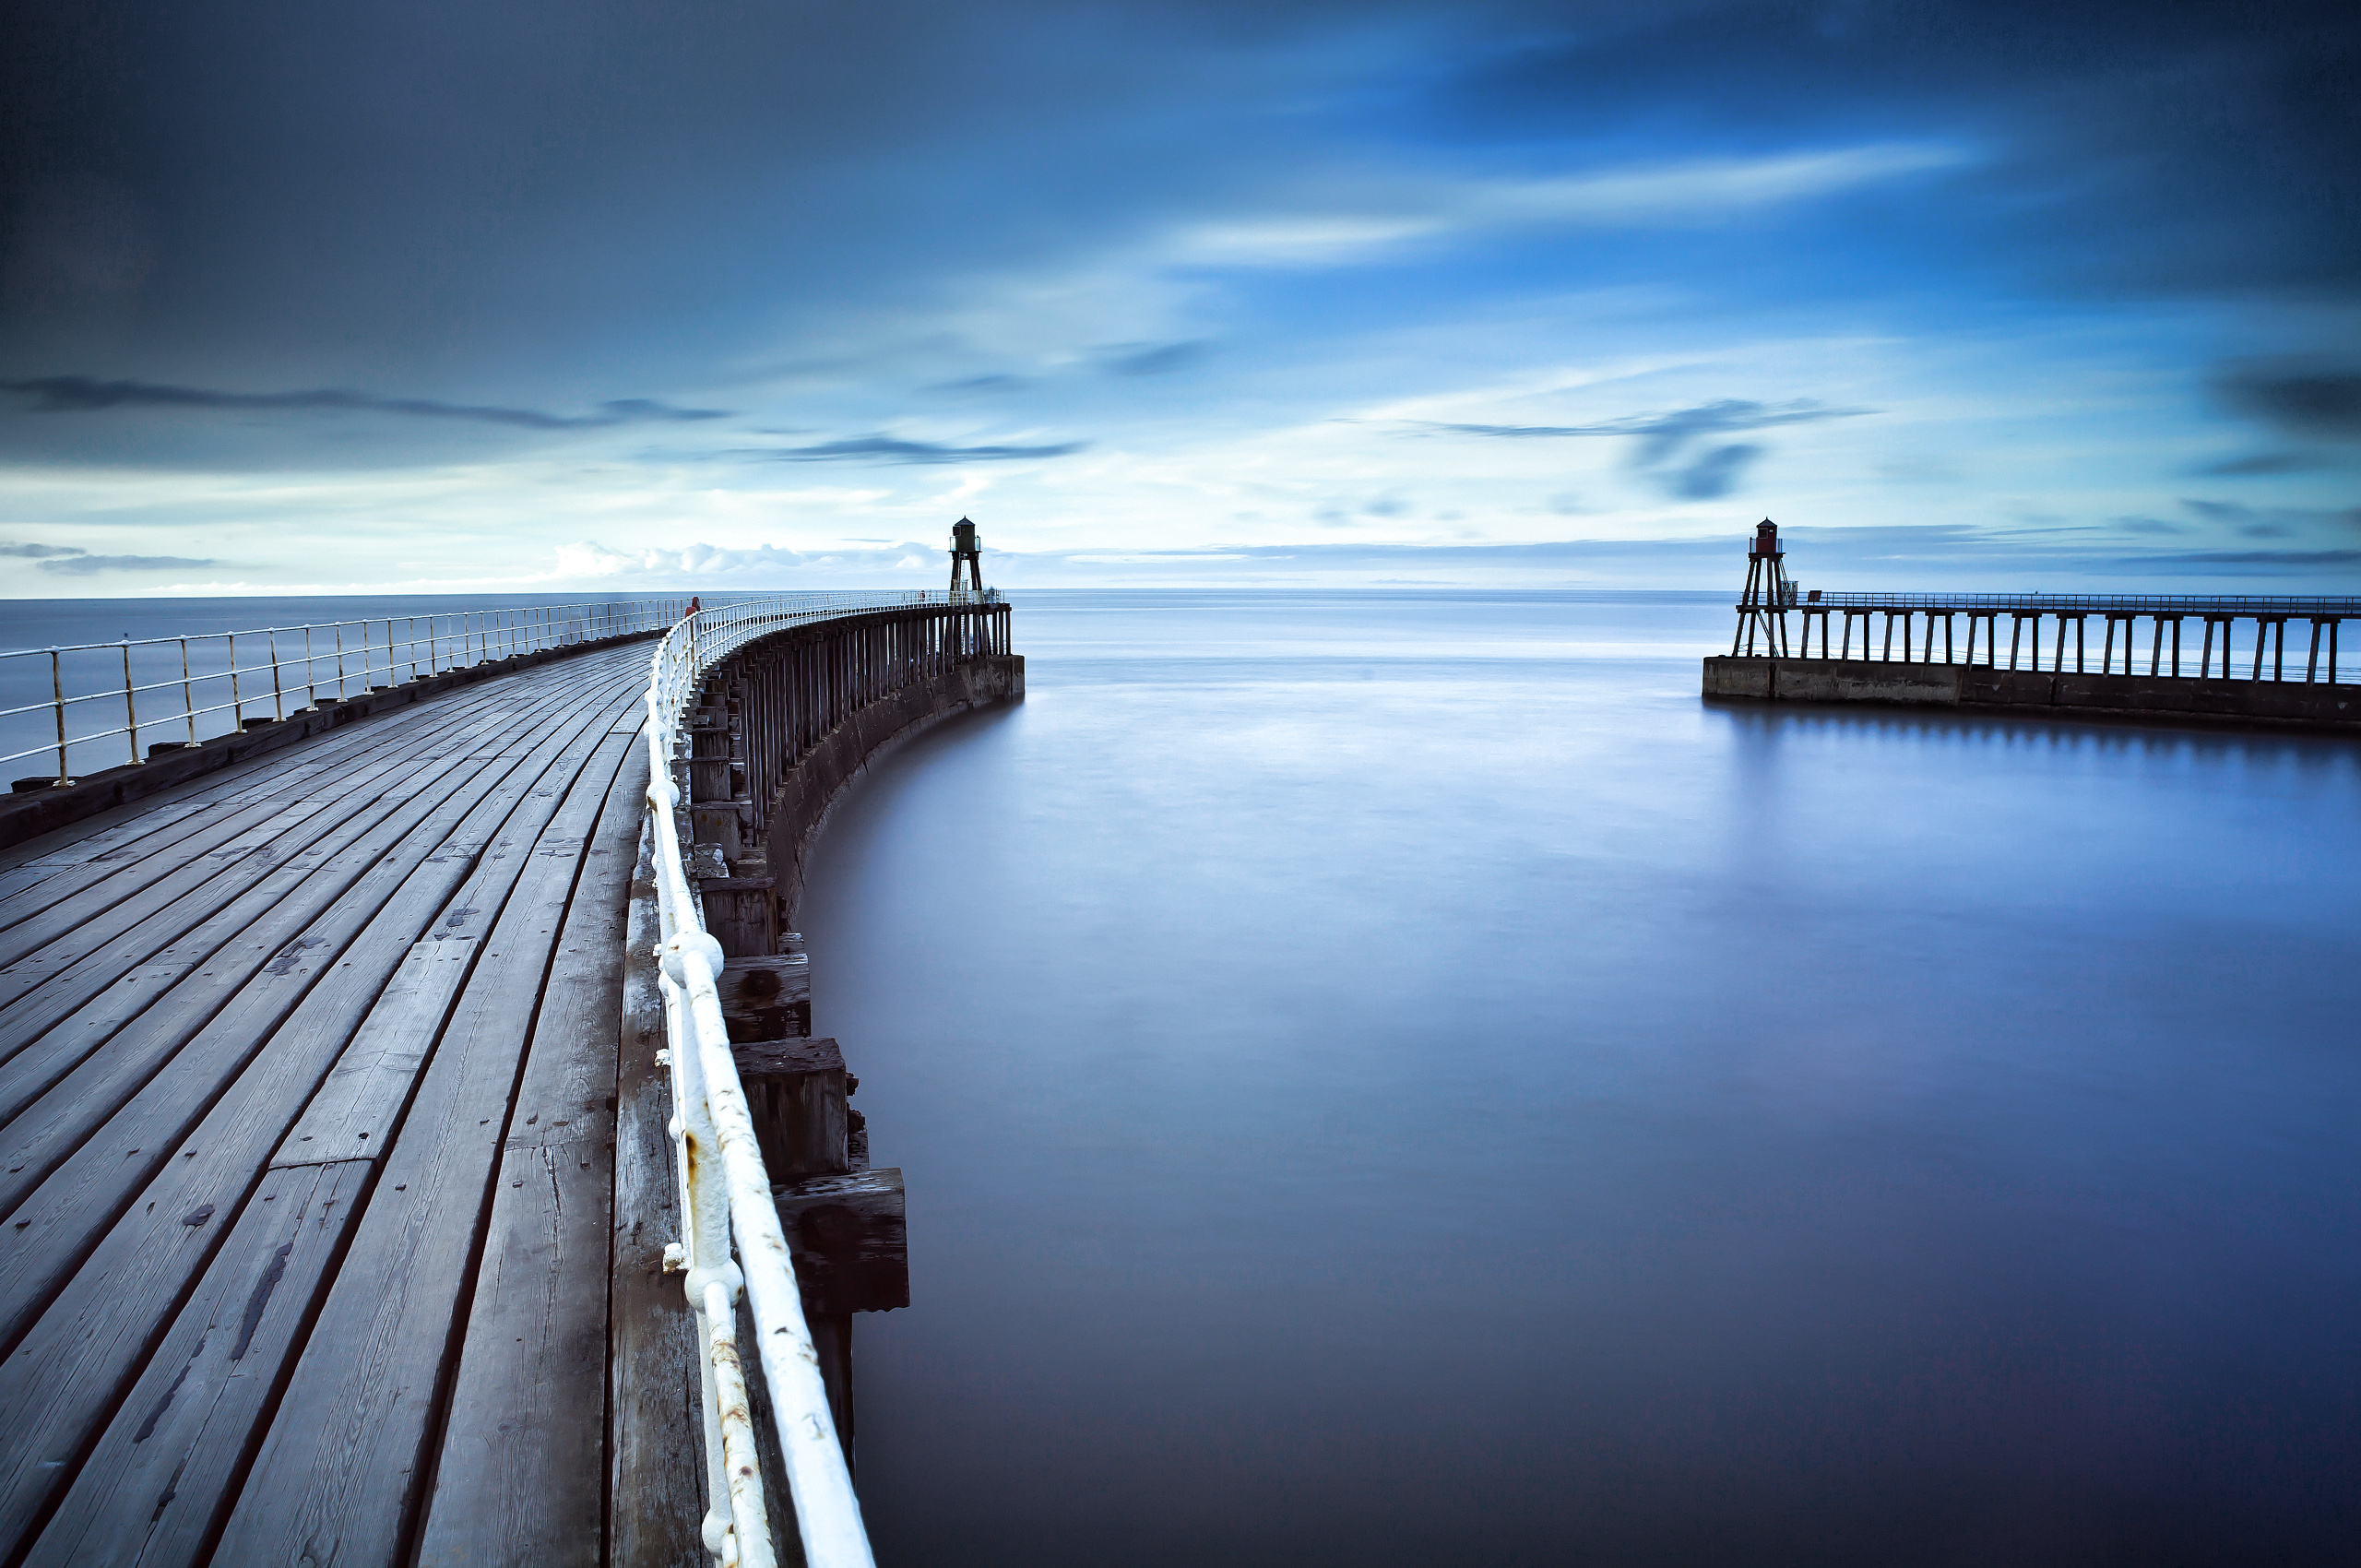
(1394,1078)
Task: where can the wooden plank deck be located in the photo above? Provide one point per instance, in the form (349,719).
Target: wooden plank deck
(308,1106)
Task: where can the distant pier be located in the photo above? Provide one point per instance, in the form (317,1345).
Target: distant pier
(2216,659)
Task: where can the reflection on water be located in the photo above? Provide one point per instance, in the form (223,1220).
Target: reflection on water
(1397,1078)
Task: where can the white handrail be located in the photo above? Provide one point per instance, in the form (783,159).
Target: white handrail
(726,1193)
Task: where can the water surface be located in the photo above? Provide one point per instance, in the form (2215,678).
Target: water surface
(1393,1077)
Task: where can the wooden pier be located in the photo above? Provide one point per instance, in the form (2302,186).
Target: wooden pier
(2175,657)
(334,1172)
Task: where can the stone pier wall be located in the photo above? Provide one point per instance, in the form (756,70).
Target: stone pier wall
(1978,688)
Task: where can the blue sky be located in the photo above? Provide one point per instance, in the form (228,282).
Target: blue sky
(527,298)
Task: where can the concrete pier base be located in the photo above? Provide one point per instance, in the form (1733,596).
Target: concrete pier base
(1979,688)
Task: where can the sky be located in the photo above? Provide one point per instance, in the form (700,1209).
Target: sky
(614,294)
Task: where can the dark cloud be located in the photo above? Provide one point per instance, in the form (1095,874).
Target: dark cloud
(1162,359)
(82,394)
(66,560)
(2263,463)
(2220,511)
(439,187)
(81,565)
(2288,559)
(1713,474)
(892,449)
(2132,148)
(1663,437)
(1523,432)
(2271,522)
(500,206)
(2314,401)
(983,384)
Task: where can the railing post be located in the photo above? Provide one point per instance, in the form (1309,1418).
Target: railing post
(278,706)
(311,682)
(130,712)
(237,703)
(188,694)
(57,690)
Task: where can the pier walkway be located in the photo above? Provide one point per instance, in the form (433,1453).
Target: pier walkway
(307,1127)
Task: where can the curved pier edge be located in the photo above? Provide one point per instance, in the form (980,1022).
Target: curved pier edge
(809,792)
(38,812)
(656,1477)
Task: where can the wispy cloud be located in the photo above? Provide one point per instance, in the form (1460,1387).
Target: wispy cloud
(82,393)
(996,383)
(1154,358)
(2283,560)
(893,449)
(1689,193)
(2263,463)
(2272,522)
(91,566)
(1664,437)
(64,561)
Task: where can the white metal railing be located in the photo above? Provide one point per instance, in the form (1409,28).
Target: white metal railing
(184,689)
(725,1192)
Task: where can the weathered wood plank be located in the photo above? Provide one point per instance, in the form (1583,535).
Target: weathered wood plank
(161,1475)
(850,1239)
(55,1027)
(74,960)
(411,796)
(795,1089)
(234,1005)
(305,872)
(89,919)
(767,997)
(343,759)
(60,901)
(170,819)
(354,1112)
(521,1473)
(519,1476)
(374,1080)
(655,1475)
(142,1260)
(55,1227)
(340,1473)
